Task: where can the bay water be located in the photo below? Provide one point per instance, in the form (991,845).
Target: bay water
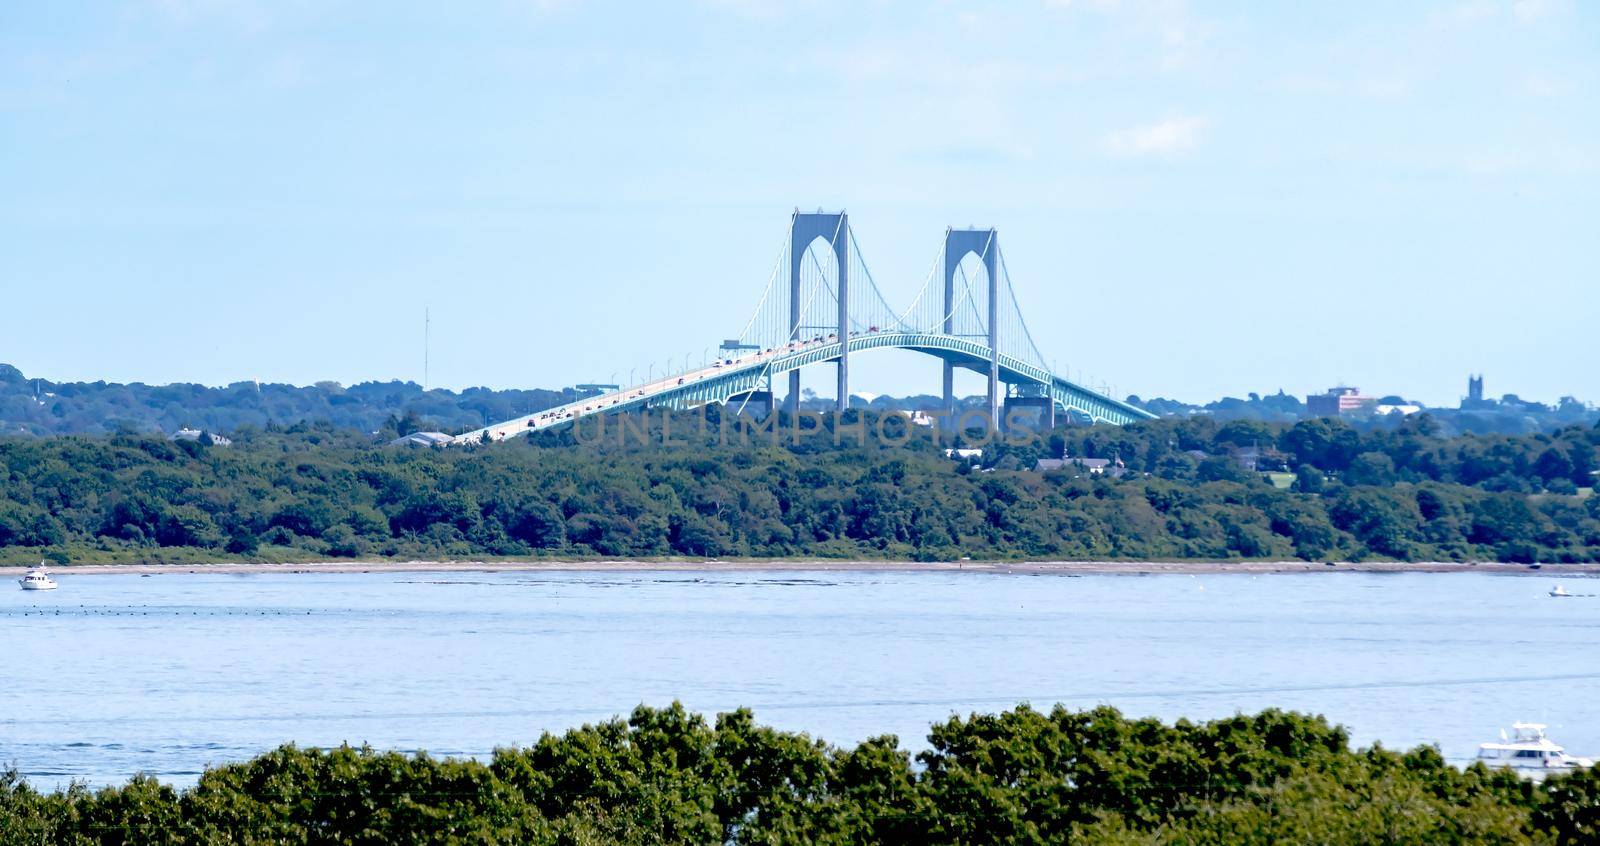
(113,675)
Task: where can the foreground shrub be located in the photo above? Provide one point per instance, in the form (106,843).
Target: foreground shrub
(670,776)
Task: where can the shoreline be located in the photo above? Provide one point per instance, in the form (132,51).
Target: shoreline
(1083,568)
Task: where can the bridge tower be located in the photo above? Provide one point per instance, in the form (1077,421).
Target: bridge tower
(834,228)
(985,244)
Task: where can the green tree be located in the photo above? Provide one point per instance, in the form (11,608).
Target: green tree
(1223,468)
(1371,468)
(1308,479)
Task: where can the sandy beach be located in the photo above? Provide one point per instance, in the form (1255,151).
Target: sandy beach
(1117,568)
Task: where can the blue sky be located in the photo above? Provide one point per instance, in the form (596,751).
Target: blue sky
(1194,199)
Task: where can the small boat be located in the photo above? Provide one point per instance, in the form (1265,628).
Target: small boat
(37,579)
(1558,590)
(1529,753)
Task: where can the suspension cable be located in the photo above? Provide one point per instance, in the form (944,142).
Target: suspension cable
(938,261)
(855,252)
(783,250)
(1016,308)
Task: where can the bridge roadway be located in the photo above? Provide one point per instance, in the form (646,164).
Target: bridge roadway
(733,376)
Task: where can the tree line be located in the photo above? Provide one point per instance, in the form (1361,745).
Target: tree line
(1510,414)
(42,407)
(667,776)
(1414,451)
(304,491)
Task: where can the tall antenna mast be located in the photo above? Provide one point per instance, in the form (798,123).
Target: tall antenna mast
(427,325)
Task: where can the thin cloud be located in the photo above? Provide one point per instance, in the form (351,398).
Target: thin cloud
(1474,12)
(1170,137)
(1097,5)
(1179,35)
(246,13)
(1529,11)
(755,10)
(1541,85)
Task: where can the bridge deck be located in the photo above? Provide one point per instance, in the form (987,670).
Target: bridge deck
(732,376)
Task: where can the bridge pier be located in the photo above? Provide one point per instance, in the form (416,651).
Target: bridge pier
(805,227)
(994,360)
(984,243)
(842,251)
(949,390)
(742,402)
(1046,406)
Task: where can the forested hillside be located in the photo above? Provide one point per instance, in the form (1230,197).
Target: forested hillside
(42,407)
(34,406)
(1185,493)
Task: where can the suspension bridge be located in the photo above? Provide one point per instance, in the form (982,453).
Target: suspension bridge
(821,305)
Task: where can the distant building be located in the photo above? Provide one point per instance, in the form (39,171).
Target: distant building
(1401,408)
(1337,401)
(1257,458)
(1095,466)
(423,439)
(1474,400)
(187,434)
(1515,403)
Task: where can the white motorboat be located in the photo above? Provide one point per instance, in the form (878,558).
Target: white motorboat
(1559,591)
(37,579)
(1529,753)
